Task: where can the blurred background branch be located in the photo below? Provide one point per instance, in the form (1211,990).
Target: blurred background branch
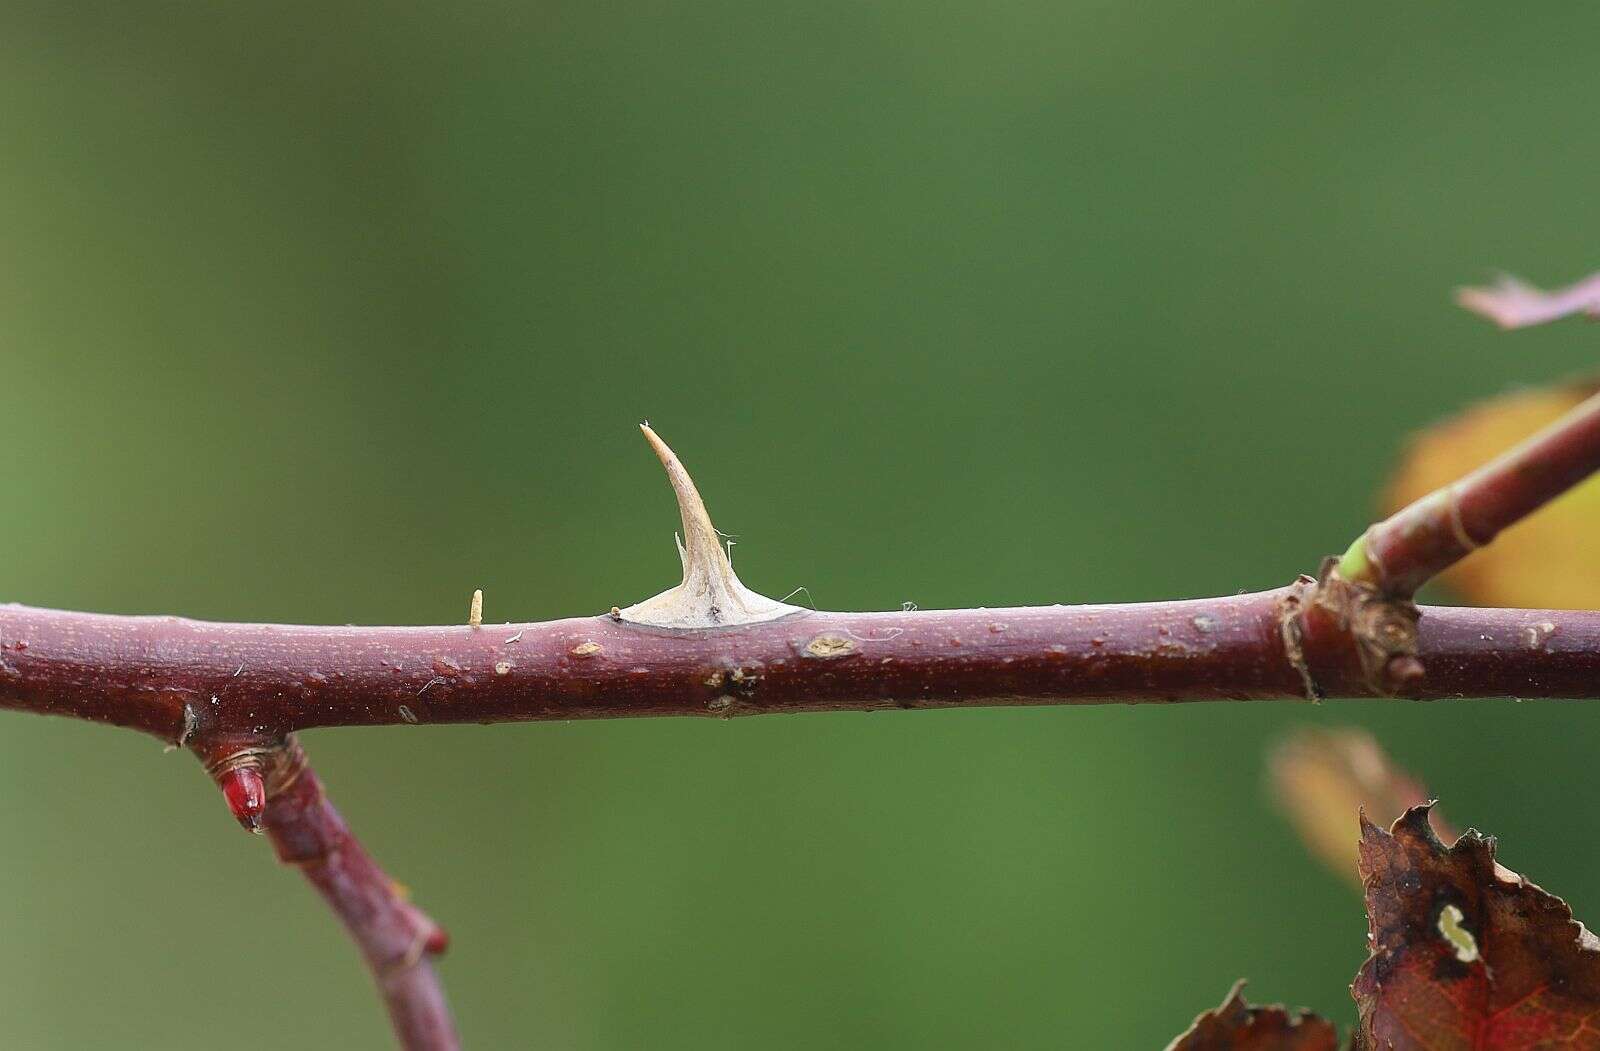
(1511,303)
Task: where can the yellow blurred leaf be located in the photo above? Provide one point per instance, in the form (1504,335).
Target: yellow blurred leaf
(1323,779)
(1550,559)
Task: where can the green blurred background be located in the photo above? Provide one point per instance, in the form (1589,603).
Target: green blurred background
(332,313)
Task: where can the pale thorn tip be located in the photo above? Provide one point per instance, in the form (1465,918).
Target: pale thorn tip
(698,544)
(475,610)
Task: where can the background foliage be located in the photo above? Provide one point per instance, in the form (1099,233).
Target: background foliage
(333,312)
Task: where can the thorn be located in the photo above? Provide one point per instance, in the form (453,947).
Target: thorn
(710,594)
(700,547)
(246,793)
(437,942)
(475,611)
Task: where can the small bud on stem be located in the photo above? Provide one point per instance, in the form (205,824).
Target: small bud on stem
(246,793)
(240,775)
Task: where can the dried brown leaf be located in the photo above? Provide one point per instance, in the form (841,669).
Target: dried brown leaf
(1237,1026)
(1468,955)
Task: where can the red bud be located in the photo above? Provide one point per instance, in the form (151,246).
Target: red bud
(246,794)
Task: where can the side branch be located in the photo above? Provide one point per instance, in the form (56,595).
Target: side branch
(395,938)
(1403,552)
(182,679)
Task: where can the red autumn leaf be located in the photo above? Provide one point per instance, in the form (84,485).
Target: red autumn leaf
(1468,955)
(1236,1026)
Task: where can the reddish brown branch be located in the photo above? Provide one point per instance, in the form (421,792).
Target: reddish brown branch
(172,677)
(395,937)
(235,693)
(1401,553)
(1511,303)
